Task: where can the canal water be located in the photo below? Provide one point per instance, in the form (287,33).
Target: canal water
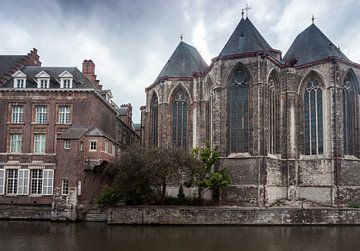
(28,235)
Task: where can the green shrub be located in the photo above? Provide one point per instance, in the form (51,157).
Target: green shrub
(355,205)
(109,196)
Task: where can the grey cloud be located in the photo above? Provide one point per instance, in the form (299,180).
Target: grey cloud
(130,40)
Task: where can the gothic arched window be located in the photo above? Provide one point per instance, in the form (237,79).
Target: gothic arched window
(239,111)
(349,109)
(180,118)
(274,116)
(313,118)
(154,120)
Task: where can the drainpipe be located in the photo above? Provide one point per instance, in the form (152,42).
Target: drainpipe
(335,142)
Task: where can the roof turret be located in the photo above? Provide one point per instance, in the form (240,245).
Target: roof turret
(312,45)
(246,38)
(183,62)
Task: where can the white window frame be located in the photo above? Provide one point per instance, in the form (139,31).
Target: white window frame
(41,114)
(64,186)
(90,146)
(106,146)
(64,114)
(48,182)
(66,83)
(43,83)
(15,142)
(23,182)
(81,147)
(67,144)
(2,181)
(36,180)
(39,142)
(14,179)
(17,114)
(19,83)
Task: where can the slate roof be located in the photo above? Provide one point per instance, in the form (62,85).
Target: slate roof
(73,133)
(184,61)
(312,45)
(79,80)
(122,110)
(8,61)
(78,132)
(245,38)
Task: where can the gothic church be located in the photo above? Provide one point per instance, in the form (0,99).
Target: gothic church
(288,127)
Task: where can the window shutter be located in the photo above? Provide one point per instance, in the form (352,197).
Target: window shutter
(48,182)
(2,181)
(23,182)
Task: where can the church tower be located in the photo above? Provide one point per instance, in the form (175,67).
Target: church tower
(171,101)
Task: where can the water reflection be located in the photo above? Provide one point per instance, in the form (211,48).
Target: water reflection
(16,235)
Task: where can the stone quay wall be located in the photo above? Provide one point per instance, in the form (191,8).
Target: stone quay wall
(232,216)
(16,212)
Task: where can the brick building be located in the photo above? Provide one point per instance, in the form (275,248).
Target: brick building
(288,128)
(58,131)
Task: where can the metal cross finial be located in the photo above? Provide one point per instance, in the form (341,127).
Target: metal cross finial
(313,19)
(181,37)
(247,8)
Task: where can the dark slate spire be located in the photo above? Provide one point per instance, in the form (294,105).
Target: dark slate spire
(312,45)
(245,38)
(183,62)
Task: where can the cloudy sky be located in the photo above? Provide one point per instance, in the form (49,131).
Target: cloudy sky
(130,40)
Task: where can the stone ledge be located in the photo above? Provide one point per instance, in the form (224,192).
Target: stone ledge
(232,216)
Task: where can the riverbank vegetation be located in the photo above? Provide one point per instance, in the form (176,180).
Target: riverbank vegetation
(142,177)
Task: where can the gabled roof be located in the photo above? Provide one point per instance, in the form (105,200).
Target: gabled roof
(73,133)
(245,38)
(312,45)
(183,62)
(78,132)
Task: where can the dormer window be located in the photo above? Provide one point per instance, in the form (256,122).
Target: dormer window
(20,83)
(66,83)
(66,80)
(19,79)
(43,83)
(43,80)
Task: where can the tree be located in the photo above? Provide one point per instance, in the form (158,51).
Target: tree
(167,165)
(198,174)
(133,177)
(216,182)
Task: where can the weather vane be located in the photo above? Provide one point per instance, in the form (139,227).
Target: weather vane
(247,8)
(313,19)
(181,37)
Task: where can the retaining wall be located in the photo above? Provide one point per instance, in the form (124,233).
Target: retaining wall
(232,216)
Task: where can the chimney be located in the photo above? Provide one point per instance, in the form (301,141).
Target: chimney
(88,69)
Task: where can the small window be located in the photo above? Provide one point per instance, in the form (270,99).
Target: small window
(81,146)
(92,145)
(43,83)
(67,144)
(41,114)
(106,146)
(64,114)
(36,181)
(39,142)
(15,142)
(67,83)
(20,83)
(64,186)
(12,181)
(17,114)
